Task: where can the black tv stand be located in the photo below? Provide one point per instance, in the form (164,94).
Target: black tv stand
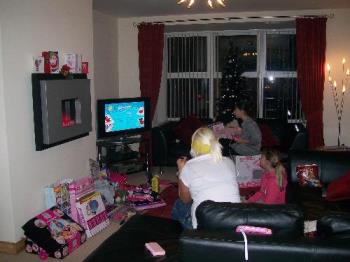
(115,153)
(120,140)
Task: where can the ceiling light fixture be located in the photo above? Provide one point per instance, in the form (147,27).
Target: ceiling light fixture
(210,3)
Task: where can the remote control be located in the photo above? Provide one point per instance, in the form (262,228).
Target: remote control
(155,249)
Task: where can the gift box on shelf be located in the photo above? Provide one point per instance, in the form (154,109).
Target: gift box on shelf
(51,62)
(74,62)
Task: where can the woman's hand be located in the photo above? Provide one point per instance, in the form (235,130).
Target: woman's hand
(181,163)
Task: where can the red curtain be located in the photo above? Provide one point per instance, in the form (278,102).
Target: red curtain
(150,45)
(311,55)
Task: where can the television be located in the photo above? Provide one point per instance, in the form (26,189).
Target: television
(122,117)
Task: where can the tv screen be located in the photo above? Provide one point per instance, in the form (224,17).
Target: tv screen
(124,116)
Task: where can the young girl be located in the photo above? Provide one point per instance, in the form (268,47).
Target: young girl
(273,182)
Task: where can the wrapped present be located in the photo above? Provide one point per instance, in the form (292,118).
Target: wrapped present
(53,233)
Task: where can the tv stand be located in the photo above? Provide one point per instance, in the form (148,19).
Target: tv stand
(115,153)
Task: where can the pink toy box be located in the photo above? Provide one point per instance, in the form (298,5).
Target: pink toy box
(53,233)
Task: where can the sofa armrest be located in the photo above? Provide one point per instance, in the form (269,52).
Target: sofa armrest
(335,226)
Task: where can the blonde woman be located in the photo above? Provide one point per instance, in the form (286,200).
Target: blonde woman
(207,176)
(274,181)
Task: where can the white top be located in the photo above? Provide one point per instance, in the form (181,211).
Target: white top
(209,180)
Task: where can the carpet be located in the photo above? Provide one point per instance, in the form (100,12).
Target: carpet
(169,195)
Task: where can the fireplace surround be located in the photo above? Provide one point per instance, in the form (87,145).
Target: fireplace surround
(62,108)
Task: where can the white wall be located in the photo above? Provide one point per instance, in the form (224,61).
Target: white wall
(7,223)
(29,27)
(105,55)
(338,42)
(128,59)
(338,46)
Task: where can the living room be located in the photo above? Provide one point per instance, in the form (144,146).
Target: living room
(109,44)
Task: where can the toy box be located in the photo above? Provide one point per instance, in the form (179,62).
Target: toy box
(92,213)
(53,233)
(57,194)
(78,189)
(248,168)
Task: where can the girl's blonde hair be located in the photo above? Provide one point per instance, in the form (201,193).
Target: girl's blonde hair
(273,156)
(205,142)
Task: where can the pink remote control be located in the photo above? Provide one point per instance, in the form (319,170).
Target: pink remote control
(155,249)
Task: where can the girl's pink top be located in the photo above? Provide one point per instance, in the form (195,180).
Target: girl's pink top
(270,192)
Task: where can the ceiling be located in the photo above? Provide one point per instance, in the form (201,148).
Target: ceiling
(135,8)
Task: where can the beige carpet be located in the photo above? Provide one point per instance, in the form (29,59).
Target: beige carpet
(82,252)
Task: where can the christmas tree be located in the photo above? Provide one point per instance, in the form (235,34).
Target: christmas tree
(231,86)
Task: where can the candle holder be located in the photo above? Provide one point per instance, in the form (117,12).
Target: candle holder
(339,99)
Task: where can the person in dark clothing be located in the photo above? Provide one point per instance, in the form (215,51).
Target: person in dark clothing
(248,142)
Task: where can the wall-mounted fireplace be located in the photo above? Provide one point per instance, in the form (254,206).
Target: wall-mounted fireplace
(62,108)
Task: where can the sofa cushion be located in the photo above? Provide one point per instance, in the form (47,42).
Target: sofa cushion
(283,220)
(336,225)
(185,129)
(339,189)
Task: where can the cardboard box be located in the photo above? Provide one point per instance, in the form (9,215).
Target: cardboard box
(248,168)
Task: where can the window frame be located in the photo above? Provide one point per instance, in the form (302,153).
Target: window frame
(212,63)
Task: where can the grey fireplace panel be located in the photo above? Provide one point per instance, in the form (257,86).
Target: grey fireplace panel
(53,93)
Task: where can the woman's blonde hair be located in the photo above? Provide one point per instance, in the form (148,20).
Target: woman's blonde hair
(205,142)
(273,156)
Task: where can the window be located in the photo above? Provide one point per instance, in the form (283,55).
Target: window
(268,59)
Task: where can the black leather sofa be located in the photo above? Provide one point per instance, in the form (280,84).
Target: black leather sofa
(167,148)
(331,165)
(216,239)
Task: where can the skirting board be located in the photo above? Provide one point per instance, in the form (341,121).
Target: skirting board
(11,248)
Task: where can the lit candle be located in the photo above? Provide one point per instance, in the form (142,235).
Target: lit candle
(344,89)
(347,72)
(343,62)
(335,83)
(330,79)
(329,68)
